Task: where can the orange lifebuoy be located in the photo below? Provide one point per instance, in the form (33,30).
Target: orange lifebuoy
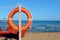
(15,27)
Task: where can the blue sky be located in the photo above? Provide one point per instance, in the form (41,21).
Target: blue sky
(40,9)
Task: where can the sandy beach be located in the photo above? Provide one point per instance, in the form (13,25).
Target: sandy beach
(42,36)
(39,36)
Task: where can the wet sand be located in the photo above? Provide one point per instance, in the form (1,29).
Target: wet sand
(39,36)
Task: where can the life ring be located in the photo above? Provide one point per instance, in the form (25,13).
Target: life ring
(15,27)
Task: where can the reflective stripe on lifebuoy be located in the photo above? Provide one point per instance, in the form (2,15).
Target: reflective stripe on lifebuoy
(15,27)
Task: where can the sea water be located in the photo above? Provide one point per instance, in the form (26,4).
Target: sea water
(37,26)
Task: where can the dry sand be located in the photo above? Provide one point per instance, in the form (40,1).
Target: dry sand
(40,36)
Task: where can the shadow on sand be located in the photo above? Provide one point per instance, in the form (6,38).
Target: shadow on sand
(14,36)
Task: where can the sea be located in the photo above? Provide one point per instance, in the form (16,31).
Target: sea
(36,26)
